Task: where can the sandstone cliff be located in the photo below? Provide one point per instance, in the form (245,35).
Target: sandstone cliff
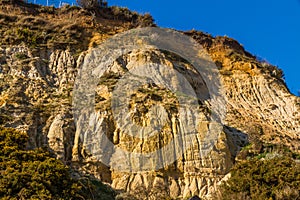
(41,52)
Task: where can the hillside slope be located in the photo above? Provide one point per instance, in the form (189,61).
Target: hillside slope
(41,51)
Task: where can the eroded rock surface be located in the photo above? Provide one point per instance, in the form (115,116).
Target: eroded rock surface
(36,95)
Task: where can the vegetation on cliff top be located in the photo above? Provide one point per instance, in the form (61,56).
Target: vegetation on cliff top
(66,27)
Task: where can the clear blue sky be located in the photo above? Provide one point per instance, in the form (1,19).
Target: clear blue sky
(269,29)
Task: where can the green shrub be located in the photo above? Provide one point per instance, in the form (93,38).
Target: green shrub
(36,174)
(92,4)
(277,178)
(21,56)
(28,36)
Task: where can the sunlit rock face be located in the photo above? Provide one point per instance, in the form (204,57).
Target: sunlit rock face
(36,96)
(190,173)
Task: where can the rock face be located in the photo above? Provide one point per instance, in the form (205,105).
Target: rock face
(191,174)
(256,94)
(36,96)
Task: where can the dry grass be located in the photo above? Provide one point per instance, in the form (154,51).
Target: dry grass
(67,27)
